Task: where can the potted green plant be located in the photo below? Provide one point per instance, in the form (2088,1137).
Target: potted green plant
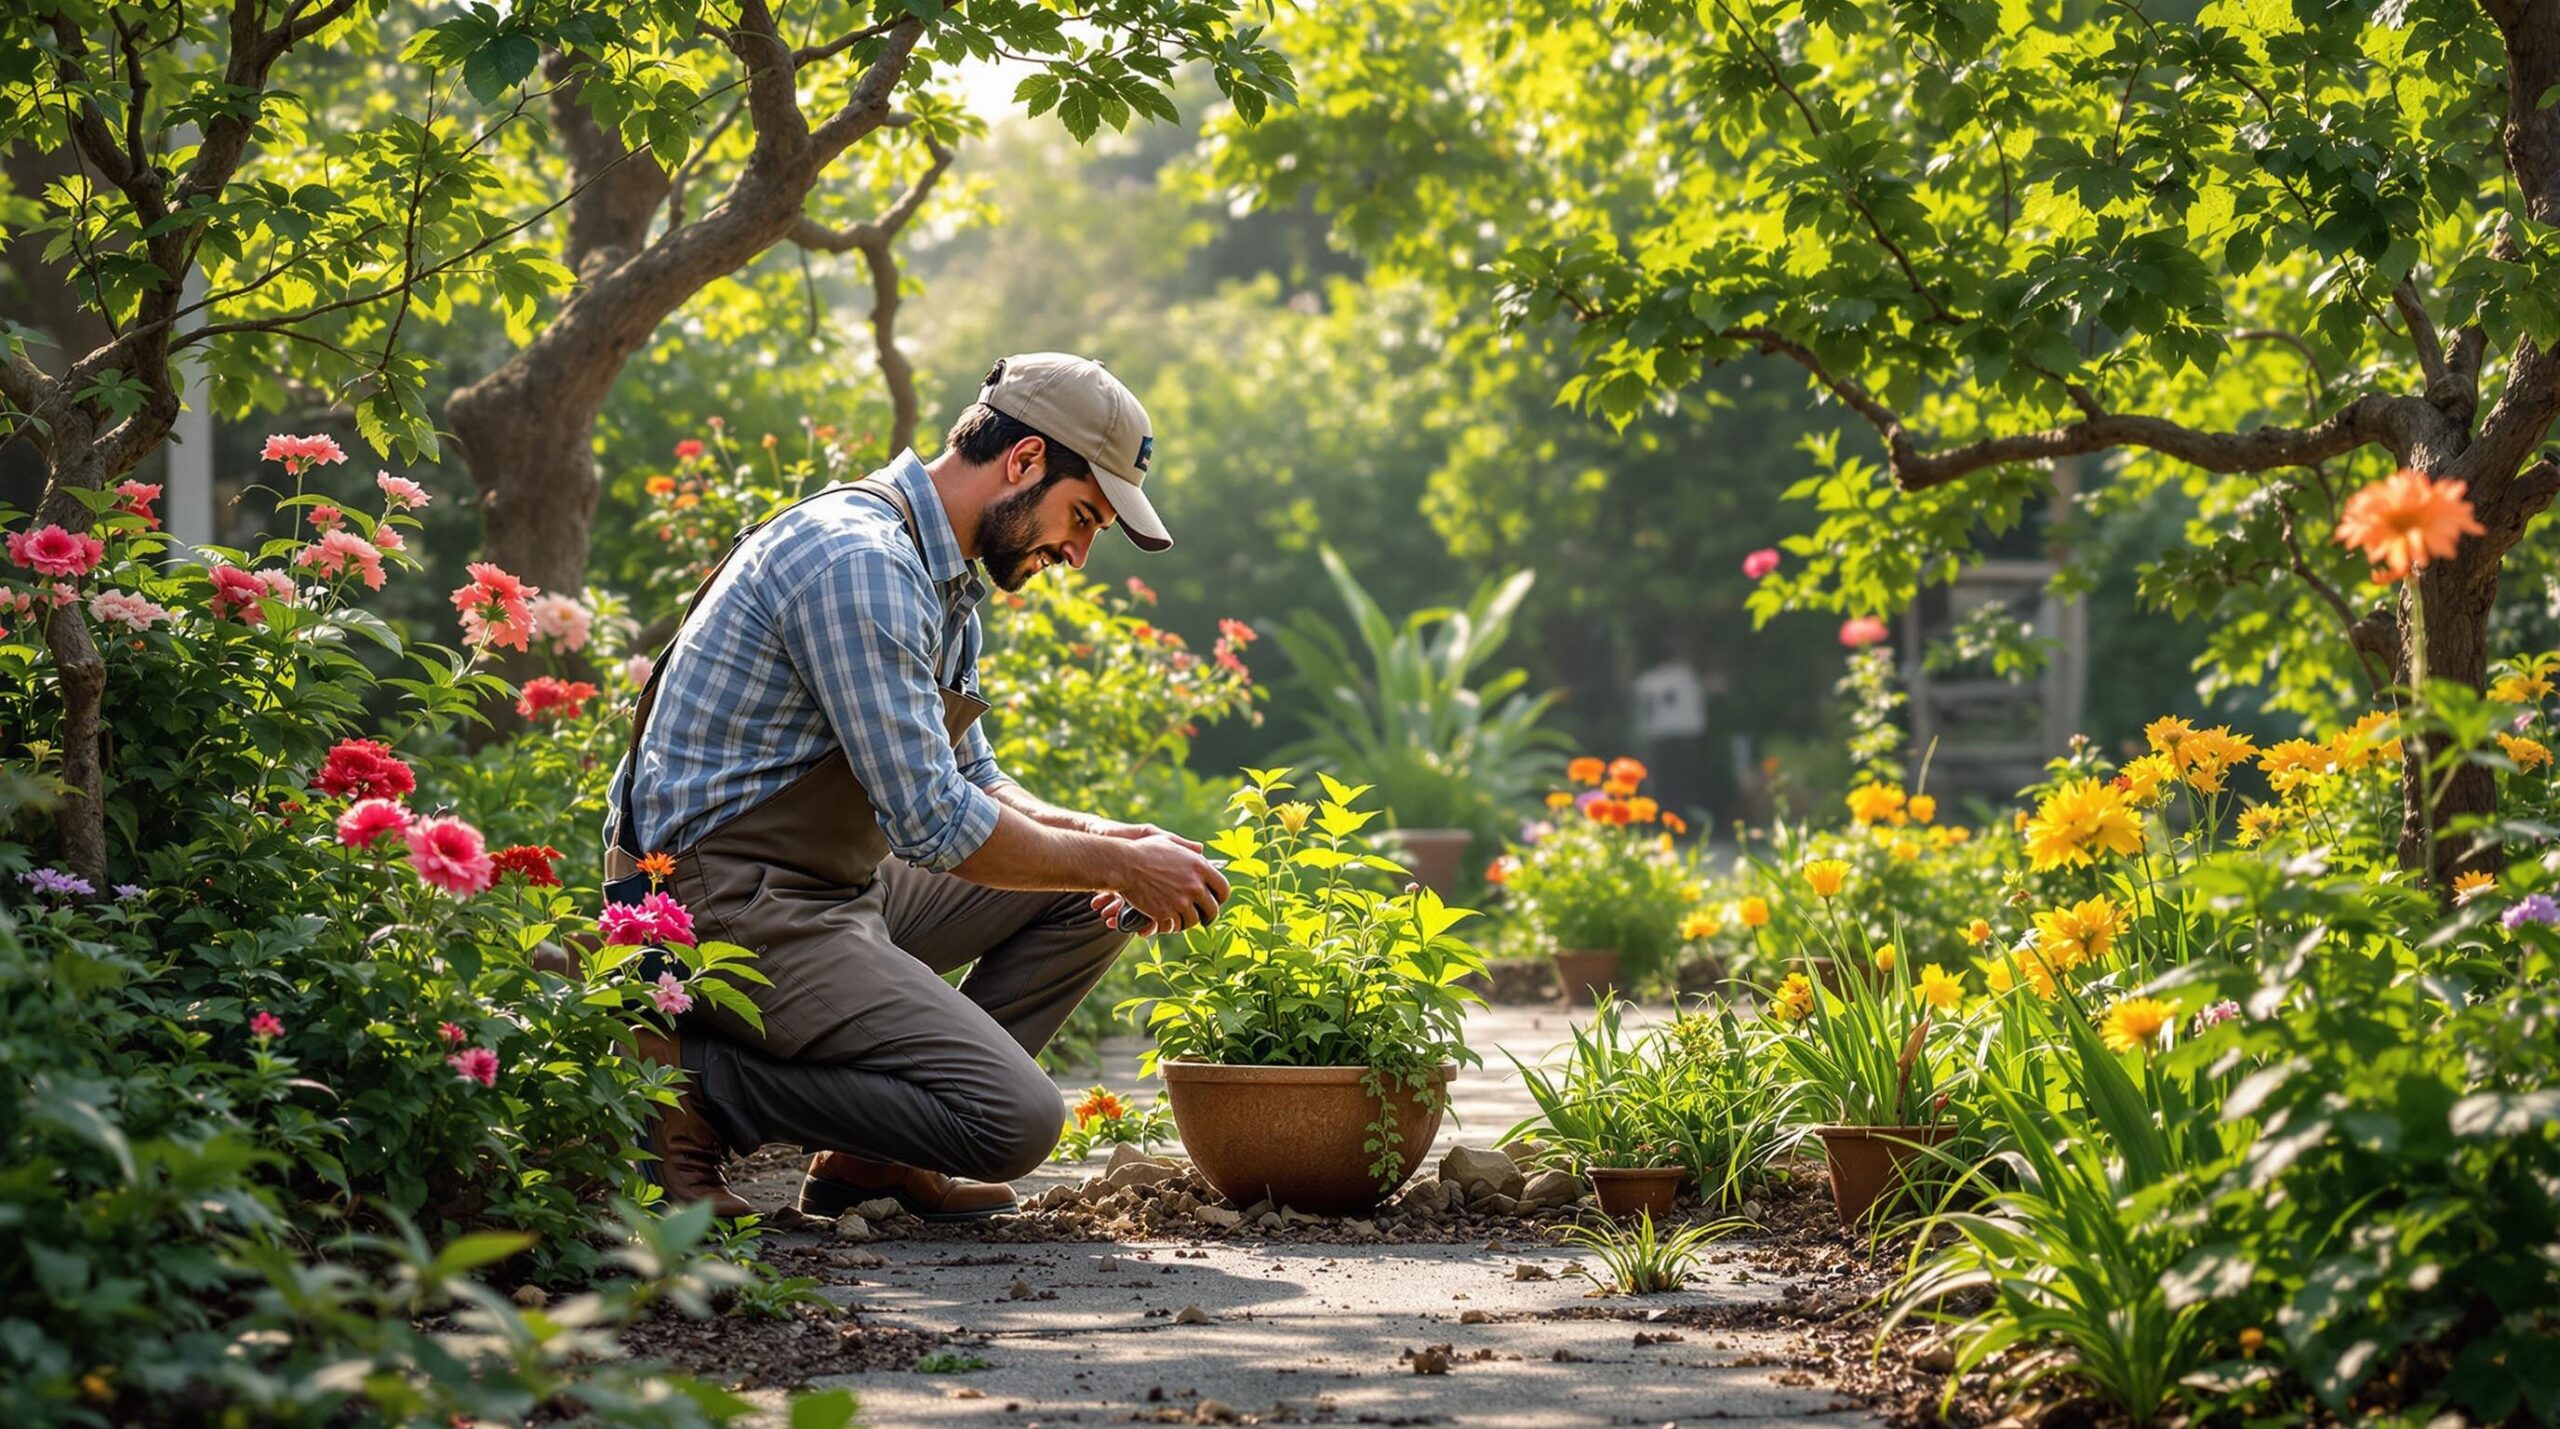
(1450,760)
(1307,1037)
(1603,885)
(1603,1114)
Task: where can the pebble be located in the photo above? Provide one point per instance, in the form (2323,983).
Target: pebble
(851,1226)
(883,1208)
(1472,1317)
(1191,1315)
(531,1297)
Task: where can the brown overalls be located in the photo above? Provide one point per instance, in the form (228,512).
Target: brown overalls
(865,1047)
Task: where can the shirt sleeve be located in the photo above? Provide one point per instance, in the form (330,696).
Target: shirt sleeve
(978,756)
(861,632)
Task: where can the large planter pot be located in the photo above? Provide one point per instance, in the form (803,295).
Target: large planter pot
(1295,1136)
(1435,856)
(1629,1191)
(1586,972)
(1866,1163)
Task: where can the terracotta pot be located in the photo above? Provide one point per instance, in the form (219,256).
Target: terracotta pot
(1435,856)
(1586,972)
(1866,1163)
(1628,1191)
(1294,1136)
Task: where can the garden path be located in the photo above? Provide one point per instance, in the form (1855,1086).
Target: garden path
(1103,1333)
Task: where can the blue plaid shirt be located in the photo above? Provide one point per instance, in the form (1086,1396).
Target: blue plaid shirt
(826,629)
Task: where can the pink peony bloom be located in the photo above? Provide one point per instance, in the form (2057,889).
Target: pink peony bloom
(279,584)
(300,454)
(670,995)
(562,621)
(265,1025)
(450,854)
(364,769)
(135,500)
(493,608)
(327,517)
(476,1065)
(1760,562)
(336,551)
(1860,631)
(53,551)
(236,593)
(401,492)
(369,819)
(387,537)
(657,918)
(451,1034)
(133,612)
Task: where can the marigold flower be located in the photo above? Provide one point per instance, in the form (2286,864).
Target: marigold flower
(1923,808)
(1629,771)
(1826,875)
(2080,932)
(2295,766)
(477,1064)
(1949,835)
(1793,1001)
(1560,799)
(2136,1022)
(1905,850)
(1500,870)
(2079,820)
(1586,770)
(1700,924)
(1674,822)
(2467,886)
(1860,631)
(1752,912)
(1643,810)
(2357,746)
(53,551)
(2527,753)
(1618,788)
(1876,804)
(2252,1340)
(2258,823)
(450,854)
(2405,520)
(2519,689)
(264,1025)
(1939,988)
(1977,932)
(2205,755)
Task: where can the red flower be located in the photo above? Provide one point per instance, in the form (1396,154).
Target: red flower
(688,449)
(364,769)
(137,498)
(236,592)
(264,1025)
(531,862)
(548,697)
(53,551)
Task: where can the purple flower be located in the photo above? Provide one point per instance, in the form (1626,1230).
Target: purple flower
(2219,1013)
(55,881)
(2535,908)
(127,892)
(1583,801)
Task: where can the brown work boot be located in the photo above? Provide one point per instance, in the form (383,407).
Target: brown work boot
(688,1150)
(837,1183)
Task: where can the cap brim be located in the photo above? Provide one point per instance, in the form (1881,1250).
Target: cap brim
(1137,515)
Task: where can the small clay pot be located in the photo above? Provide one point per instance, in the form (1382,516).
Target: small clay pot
(1434,856)
(1294,1136)
(1586,972)
(1629,1191)
(1866,1163)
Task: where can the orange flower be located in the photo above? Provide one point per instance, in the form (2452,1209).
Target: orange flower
(1498,872)
(1101,1104)
(1602,810)
(1617,788)
(1675,823)
(2406,520)
(1586,770)
(1628,770)
(1645,811)
(1560,799)
(661,485)
(659,865)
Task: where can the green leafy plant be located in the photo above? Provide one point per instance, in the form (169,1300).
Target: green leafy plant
(1103,1118)
(1441,752)
(1606,873)
(1310,965)
(1637,1259)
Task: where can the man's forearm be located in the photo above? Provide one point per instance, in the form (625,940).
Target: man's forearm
(1040,811)
(1025,852)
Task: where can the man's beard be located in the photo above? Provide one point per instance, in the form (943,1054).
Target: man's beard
(1007,535)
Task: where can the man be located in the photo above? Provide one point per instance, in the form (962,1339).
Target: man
(808,753)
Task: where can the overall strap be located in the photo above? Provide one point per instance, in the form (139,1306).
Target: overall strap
(621,807)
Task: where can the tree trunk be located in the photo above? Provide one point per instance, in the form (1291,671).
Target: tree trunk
(2458,592)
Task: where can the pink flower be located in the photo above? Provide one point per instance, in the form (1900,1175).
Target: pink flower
(1760,562)
(717,423)
(278,584)
(451,1034)
(657,918)
(236,593)
(300,454)
(562,621)
(688,449)
(364,769)
(401,492)
(264,1025)
(670,995)
(493,608)
(18,602)
(327,517)
(117,607)
(387,537)
(1227,661)
(53,551)
(550,697)
(1235,632)
(335,551)
(1860,631)
(369,819)
(1142,590)
(479,1064)
(137,497)
(450,854)
(637,669)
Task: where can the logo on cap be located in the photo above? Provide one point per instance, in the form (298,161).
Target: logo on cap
(1146,452)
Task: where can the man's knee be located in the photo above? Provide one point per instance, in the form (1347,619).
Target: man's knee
(1017,1128)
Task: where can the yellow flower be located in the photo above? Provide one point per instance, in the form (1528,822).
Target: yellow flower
(2204,756)
(2467,886)
(1977,931)
(1884,956)
(1794,999)
(2078,817)
(1643,809)
(2137,1022)
(1826,875)
(2527,753)
(1618,788)
(1293,815)
(1700,924)
(2079,933)
(1586,770)
(2000,975)
(1923,807)
(2146,778)
(2042,973)
(1949,835)
(1560,799)
(1938,989)
(2296,766)
(2252,1340)
(2355,747)
(2258,823)
(1753,912)
(2163,734)
(2519,689)
(1905,850)
(1876,803)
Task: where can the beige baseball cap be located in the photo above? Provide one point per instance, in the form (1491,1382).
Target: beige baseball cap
(1075,402)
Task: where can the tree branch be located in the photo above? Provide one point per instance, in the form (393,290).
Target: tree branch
(782,131)
(2422,333)
(818,54)
(875,241)
(868,106)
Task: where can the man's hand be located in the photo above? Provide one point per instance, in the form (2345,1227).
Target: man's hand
(1165,880)
(1114,829)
